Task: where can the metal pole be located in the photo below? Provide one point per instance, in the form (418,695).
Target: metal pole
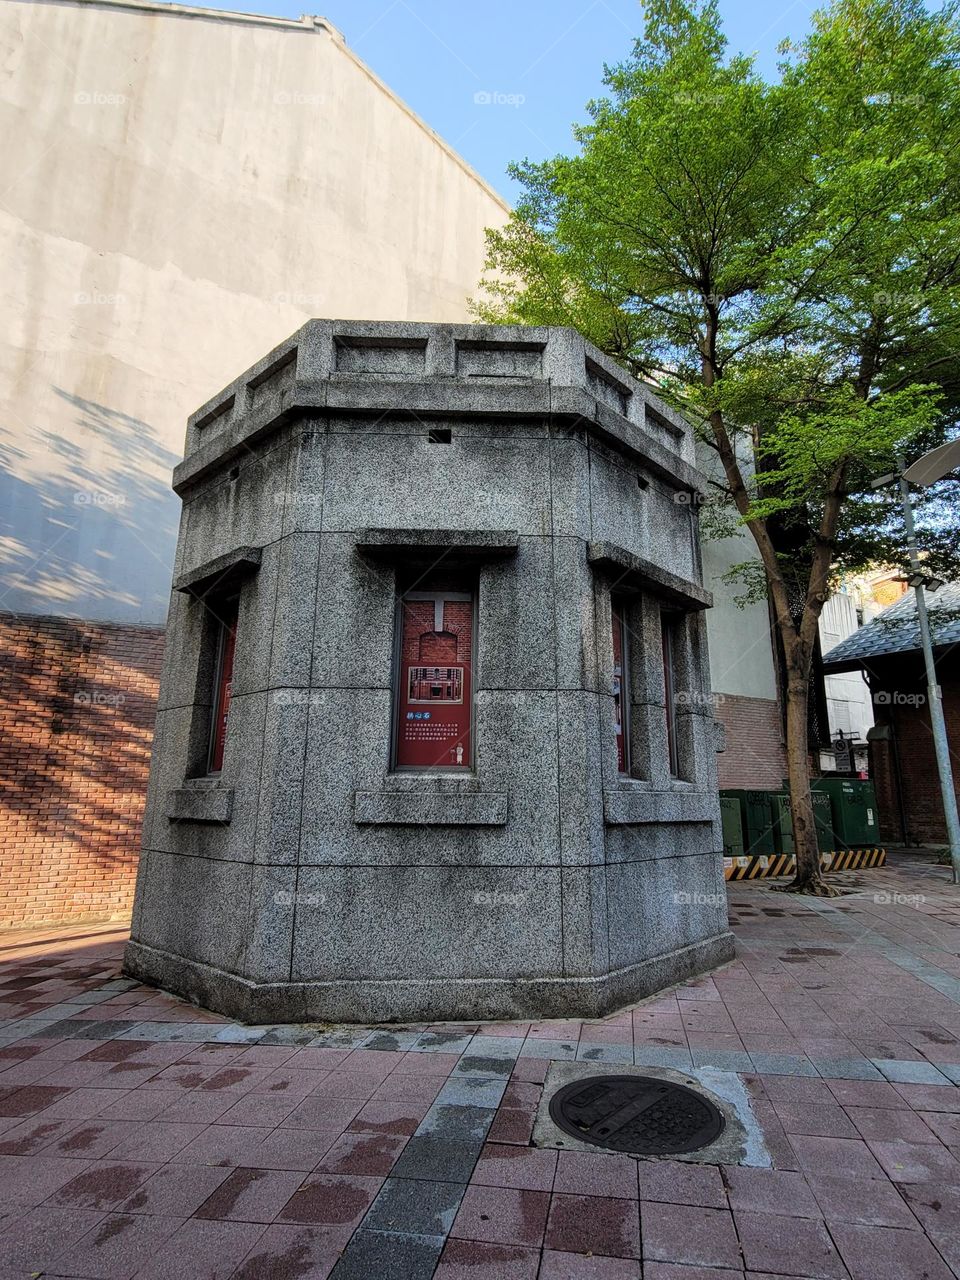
(934,696)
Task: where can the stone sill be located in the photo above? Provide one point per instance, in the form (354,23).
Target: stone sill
(212,804)
(639,808)
(430,809)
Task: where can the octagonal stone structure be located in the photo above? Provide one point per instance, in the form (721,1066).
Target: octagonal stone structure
(435,738)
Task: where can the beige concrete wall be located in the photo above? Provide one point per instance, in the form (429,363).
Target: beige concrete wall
(181,191)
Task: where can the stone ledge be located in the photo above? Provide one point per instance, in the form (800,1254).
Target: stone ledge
(430,809)
(200,804)
(639,808)
(643,574)
(470,544)
(418,1000)
(221,573)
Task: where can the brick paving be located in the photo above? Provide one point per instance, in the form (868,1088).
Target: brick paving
(140,1137)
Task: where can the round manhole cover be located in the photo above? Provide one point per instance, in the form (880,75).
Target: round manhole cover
(640,1114)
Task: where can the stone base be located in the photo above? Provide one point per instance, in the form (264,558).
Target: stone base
(414,1000)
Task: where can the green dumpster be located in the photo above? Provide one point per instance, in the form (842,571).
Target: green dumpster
(732,828)
(782,822)
(756,820)
(854,805)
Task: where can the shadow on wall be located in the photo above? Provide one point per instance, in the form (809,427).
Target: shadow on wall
(77,709)
(88,522)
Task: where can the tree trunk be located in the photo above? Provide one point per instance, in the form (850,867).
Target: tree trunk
(809,877)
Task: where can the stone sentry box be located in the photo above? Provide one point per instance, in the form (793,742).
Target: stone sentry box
(509,513)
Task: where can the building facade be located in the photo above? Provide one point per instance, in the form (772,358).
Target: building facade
(187,186)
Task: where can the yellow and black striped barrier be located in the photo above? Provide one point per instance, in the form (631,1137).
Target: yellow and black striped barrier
(753,867)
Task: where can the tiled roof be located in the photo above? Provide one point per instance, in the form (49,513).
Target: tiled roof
(896,629)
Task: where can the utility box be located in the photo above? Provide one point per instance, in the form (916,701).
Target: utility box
(782,822)
(854,806)
(732,825)
(435,736)
(756,820)
(827,838)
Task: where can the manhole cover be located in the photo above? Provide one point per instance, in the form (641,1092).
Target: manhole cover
(640,1114)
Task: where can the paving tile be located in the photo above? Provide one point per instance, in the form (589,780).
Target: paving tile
(331,1200)
(909,1072)
(388,1256)
(775,1191)
(576,1266)
(250,1195)
(873,1201)
(585,1174)
(390,1115)
(415,1207)
(843,1157)
(591,1224)
(671,1271)
(886,1124)
(677,1182)
(119,1246)
(290,1253)
(475,1260)
(502,1215)
(867,1093)
(917,1162)
(102,1184)
(689,1234)
(788,1246)
(525,1168)
(513,1125)
(884,1253)
(36,1238)
(432,1158)
(367,1153)
(816,1121)
(929,1097)
(174,1191)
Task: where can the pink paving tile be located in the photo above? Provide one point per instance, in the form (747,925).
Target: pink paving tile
(31,1243)
(676,1182)
(556,1029)
(501,1215)
(233,1146)
(883,1253)
(409,1088)
(250,1195)
(30,1099)
(389,1116)
(590,1224)
(585,1174)
(866,1093)
(258,1110)
(512,1124)
(532,1070)
(26,1137)
(92,1139)
(347,1084)
(770,1191)
(843,1157)
(930,1097)
(118,1247)
(873,1201)
(816,1121)
(203,1251)
(475,1260)
(576,1266)
(323,1113)
(28,1180)
(788,1246)
(292,1253)
(266,1055)
(917,1162)
(367,1153)
(670,1271)
(318,1059)
(525,1168)
(331,1200)
(944,1125)
(372,1062)
(103,1184)
(796,1089)
(425,1064)
(295,1082)
(522,1093)
(689,1234)
(885,1124)
(174,1191)
(232,1079)
(194,1107)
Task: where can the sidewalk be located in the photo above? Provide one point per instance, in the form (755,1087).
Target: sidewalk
(140,1137)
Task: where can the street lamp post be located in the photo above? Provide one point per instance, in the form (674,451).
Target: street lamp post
(932,466)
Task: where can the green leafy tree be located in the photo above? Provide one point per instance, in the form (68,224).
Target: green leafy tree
(782,261)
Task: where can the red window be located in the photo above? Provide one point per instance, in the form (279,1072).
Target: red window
(620,693)
(226,643)
(435,693)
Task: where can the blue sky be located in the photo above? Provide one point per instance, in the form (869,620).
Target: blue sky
(539,61)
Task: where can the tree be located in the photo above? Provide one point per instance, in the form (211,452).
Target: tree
(782,261)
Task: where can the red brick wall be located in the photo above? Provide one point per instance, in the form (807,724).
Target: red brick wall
(754,757)
(77,706)
(899,692)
